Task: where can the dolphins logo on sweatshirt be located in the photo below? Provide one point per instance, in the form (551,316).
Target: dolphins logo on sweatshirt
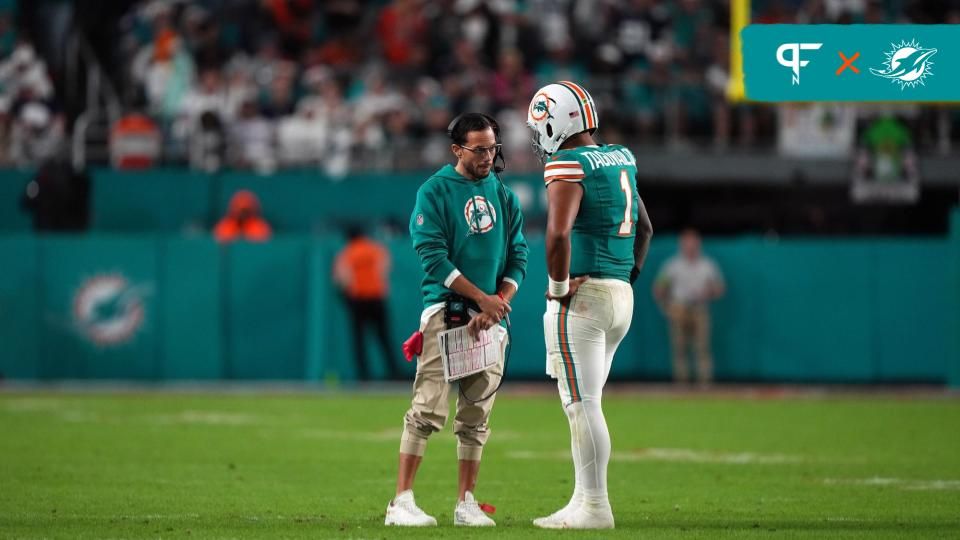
(480,215)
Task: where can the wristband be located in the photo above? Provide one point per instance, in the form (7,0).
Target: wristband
(558,289)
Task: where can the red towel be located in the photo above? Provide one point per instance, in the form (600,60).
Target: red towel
(413,346)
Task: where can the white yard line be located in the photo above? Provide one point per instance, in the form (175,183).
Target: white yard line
(906,484)
(681,455)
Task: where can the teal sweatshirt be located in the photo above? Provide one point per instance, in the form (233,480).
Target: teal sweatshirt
(460,226)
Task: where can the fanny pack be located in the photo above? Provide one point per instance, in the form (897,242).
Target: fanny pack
(457,311)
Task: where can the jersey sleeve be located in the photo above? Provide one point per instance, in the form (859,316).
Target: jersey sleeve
(429,240)
(565,170)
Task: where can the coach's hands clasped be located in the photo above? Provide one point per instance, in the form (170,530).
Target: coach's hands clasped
(480,323)
(493,306)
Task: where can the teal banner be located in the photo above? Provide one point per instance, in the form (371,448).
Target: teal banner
(160,308)
(98,307)
(859,62)
(13,216)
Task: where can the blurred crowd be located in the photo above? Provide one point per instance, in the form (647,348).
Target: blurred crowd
(32,125)
(350,85)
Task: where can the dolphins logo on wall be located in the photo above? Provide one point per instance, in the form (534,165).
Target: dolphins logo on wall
(108,310)
(908,64)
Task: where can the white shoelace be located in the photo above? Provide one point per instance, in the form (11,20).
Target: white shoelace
(472,508)
(410,506)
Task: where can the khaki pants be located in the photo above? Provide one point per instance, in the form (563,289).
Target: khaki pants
(690,324)
(430,405)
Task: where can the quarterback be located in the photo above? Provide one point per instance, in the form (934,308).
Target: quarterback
(597,238)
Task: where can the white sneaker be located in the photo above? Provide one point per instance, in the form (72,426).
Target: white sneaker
(587,517)
(555,520)
(404,512)
(469,513)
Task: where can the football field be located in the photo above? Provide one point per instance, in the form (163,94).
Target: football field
(255,464)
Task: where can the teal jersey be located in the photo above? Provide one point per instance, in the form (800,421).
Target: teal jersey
(603,233)
(469,227)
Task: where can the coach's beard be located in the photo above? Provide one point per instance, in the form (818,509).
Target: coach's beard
(481,171)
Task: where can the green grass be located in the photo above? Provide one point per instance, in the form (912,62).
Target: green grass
(322,466)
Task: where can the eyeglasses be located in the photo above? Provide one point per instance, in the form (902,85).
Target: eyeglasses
(483,150)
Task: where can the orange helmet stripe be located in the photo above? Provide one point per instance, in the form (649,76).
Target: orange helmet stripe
(591,119)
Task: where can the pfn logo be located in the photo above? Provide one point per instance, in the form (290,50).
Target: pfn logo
(794,62)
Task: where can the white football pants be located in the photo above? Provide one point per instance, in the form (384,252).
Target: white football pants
(581,340)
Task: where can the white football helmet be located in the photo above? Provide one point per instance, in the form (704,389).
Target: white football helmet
(558,111)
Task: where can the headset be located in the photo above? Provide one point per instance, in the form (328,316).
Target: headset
(497,169)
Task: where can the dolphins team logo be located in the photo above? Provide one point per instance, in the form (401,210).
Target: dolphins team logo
(540,106)
(108,310)
(480,215)
(907,64)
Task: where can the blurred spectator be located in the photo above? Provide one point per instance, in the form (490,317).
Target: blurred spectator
(25,72)
(209,96)
(203,123)
(845,11)
(240,86)
(135,142)
(58,197)
(480,25)
(725,114)
(165,69)
(265,64)
(37,134)
(294,21)
(886,166)
(434,117)
(243,221)
(302,137)
(252,140)
(207,150)
(341,52)
(560,65)
(362,269)
(684,287)
(775,12)
(511,82)
(402,29)
(516,136)
(642,27)
(203,38)
(370,113)
(661,64)
(8,33)
(278,99)
(887,150)
(467,81)
(338,116)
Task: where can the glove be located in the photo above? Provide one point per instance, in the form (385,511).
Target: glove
(634,274)
(413,346)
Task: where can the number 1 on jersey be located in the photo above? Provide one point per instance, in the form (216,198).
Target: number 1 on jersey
(626,226)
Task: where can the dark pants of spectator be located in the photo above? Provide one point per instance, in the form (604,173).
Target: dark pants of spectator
(373,313)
